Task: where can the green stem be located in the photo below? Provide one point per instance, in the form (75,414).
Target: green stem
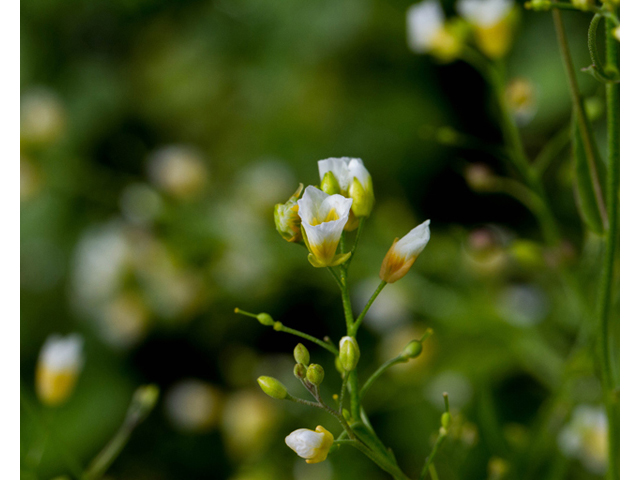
(427,464)
(382,462)
(581,116)
(355,243)
(354,391)
(383,368)
(343,389)
(607,282)
(360,318)
(433,472)
(551,150)
(568,6)
(306,336)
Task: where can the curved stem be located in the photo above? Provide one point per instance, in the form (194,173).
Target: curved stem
(360,318)
(383,368)
(311,338)
(427,464)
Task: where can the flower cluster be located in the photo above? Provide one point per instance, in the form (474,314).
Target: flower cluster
(490,22)
(321,217)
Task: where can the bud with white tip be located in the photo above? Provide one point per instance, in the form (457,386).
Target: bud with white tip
(312,446)
(58,368)
(350,178)
(404,252)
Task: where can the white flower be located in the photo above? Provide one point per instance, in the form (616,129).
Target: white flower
(585,437)
(310,445)
(404,252)
(179,170)
(59,365)
(484,13)
(193,405)
(352,178)
(492,24)
(323,218)
(425,21)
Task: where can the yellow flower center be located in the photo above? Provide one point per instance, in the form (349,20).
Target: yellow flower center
(329,217)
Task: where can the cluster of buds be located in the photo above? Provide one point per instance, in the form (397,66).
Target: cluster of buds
(490,21)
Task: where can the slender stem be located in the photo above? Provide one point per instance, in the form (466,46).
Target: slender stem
(427,464)
(336,278)
(581,116)
(433,472)
(110,452)
(607,282)
(354,390)
(568,6)
(360,318)
(382,462)
(551,150)
(355,243)
(343,389)
(383,368)
(306,336)
(279,327)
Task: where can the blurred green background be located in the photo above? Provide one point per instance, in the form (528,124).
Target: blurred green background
(156,137)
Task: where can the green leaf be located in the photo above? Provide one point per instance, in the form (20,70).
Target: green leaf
(585,194)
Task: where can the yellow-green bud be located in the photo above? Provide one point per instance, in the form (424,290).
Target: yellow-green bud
(273,387)
(315,374)
(362,196)
(301,354)
(265,319)
(339,366)
(445,420)
(582,4)
(349,353)
(277,326)
(300,371)
(412,350)
(329,184)
(287,219)
(144,399)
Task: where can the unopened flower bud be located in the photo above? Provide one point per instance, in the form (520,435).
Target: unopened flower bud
(339,366)
(582,4)
(362,197)
(300,371)
(445,420)
(265,319)
(329,184)
(315,374)
(273,387)
(412,350)
(144,399)
(403,253)
(312,446)
(58,368)
(349,353)
(301,354)
(287,219)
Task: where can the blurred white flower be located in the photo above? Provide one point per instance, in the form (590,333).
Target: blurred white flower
(485,13)
(520,97)
(353,180)
(391,308)
(248,422)
(492,23)
(42,116)
(428,31)
(59,365)
(124,321)
(179,170)
(585,438)
(455,384)
(523,305)
(193,405)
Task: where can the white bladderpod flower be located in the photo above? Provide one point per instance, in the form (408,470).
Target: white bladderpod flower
(429,32)
(312,446)
(404,252)
(323,218)
(59,365)
(348,177)
(492,23)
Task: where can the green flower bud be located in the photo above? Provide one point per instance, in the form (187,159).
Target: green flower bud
(300,371)
(582,4)
(339,366)
(445,420)
(349,353)
(315,374)
(287,219)
(362,196)
(273,387)
(329,184)
(412,350)
(301,354)
(144,399)
(265,319)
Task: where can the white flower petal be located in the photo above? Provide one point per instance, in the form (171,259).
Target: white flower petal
(304,442)
(484,13)
(339,168)
(412,244)
(62,353)
(358,170)
(424,21)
